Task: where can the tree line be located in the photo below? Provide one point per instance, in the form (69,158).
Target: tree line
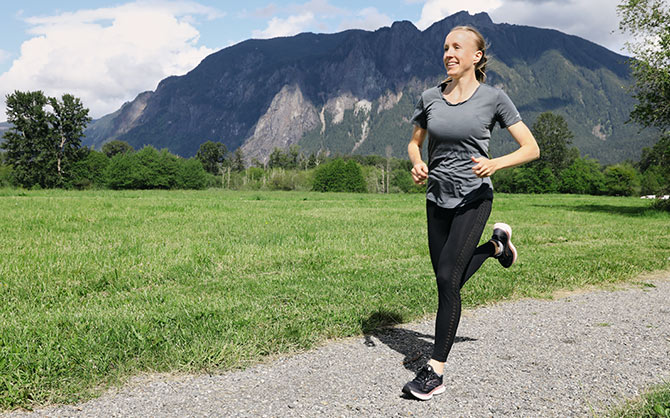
(43,149)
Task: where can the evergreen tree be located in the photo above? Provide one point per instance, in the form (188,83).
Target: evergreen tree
(553,137)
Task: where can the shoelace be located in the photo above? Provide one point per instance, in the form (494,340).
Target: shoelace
(423,375)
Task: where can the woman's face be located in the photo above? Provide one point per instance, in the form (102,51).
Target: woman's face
(460,53)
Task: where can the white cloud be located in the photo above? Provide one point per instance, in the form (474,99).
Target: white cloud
(107,56)
(595,20)
(369,19)
(319,16)
(286,27)
(434,10)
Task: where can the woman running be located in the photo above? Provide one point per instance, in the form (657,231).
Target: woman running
(458,116)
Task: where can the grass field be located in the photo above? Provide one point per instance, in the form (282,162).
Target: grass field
(96,286)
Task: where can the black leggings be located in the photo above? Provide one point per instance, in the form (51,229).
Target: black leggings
(453,235)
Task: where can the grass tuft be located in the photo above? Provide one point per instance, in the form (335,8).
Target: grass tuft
(654,403)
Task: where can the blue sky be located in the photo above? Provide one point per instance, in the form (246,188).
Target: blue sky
(107,52)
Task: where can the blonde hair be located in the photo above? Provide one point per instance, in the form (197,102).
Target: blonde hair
(480,67)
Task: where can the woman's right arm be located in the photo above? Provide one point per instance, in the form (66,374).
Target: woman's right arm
(419,168)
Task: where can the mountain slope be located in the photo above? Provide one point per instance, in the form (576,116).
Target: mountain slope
(354,91)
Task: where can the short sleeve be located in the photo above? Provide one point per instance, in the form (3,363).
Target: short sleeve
(506,113)
(419,117)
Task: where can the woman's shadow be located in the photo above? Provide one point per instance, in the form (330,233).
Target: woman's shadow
(415,346)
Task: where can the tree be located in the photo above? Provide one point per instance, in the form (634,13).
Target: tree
(656,162)
(648,21)
(277,159)
(115,147)
(68,120)
(212,155)
(27,146)
(553,137)
(42,144)
(293,156)
(237,163)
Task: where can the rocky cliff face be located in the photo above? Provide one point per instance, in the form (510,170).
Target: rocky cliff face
(286,120)
(354,91)
(118,123)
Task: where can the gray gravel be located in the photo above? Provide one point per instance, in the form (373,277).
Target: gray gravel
(565,357)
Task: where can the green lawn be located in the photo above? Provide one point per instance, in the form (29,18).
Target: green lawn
(95,286)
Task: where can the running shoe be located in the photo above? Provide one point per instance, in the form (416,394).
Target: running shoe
(426,384)
(502,234)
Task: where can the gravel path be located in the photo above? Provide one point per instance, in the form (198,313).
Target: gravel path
(563,357)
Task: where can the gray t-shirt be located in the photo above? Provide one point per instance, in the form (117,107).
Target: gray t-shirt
(456,132)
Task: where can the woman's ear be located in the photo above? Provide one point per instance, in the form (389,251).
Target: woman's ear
(478,56)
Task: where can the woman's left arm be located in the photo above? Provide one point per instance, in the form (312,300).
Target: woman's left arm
(528,151)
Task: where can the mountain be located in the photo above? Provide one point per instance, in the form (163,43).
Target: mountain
(354,91)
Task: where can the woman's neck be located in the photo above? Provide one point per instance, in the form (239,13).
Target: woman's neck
(461,88)
(465,84)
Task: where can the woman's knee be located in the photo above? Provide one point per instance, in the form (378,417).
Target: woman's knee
(448,282)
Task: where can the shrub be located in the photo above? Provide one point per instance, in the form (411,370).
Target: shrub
(503,181)
(339,176)
(661,204)
(653,181)
(191,175)
(155,169)
(89,171)
(122,172)
(534,180)
(621,180)
(401,180)
(583,176)
(6,178)
(280,179)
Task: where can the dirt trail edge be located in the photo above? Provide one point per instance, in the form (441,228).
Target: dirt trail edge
(566,357)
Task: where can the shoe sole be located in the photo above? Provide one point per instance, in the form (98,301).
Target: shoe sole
(508,231)
(427,396)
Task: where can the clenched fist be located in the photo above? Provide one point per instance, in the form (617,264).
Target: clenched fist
(420,173)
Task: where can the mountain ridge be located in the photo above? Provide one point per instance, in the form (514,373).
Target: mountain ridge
(248,95)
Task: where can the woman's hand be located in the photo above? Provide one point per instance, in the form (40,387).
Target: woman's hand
(484,167)
(420,173)
(420,169)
